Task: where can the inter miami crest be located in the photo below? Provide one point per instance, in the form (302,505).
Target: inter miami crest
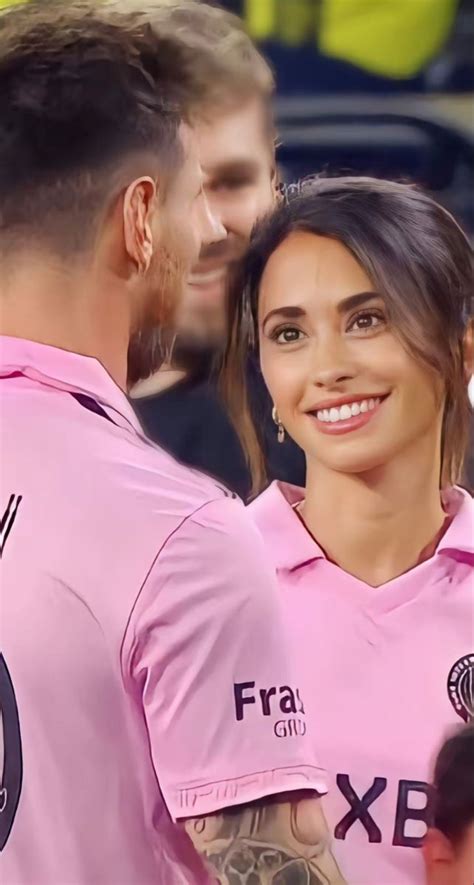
(461,687)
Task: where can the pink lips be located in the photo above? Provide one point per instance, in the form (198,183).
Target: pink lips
(355,422)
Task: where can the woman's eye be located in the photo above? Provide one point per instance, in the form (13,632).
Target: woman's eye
(365,322)
(287,336)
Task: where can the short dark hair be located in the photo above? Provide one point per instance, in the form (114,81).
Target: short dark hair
(418,258)
(227,65)
(453,788)
(81,90)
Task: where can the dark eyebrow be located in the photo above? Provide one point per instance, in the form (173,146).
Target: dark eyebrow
(357,300)
(293,312)
(287,313)
(232,167)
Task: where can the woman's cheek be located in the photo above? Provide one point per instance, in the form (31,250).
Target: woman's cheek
(286,390)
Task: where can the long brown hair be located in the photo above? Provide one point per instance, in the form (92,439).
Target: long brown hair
(416,255)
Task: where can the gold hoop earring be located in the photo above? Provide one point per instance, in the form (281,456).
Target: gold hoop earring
(281,429)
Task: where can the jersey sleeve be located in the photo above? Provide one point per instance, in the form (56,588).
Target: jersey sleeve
(208,657)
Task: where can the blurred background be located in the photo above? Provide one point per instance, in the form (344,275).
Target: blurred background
(380,87)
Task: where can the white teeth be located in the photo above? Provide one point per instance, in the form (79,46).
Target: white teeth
(348,410)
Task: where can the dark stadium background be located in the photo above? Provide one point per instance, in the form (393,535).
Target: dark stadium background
(338,116)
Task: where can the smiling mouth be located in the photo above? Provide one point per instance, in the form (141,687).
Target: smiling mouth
(347,410)
(347,416)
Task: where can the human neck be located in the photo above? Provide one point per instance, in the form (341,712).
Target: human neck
(186,364)
(376,525)
(165,378)
(83,311)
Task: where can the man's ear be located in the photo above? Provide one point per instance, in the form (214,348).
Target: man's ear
(439,855)
(139,205)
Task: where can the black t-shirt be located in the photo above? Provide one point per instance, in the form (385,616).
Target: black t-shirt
(190,421)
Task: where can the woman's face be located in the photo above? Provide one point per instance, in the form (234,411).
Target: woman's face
(344,386)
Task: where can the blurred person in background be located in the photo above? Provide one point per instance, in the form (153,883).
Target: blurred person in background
(358,295)
(180,406)
(347,46)
(144,678)
(449,844)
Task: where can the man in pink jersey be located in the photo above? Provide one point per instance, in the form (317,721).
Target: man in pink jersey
(143,673)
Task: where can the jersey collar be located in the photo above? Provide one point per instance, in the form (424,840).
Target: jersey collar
(459,538)
(290,543)
(67,371)
(292,546)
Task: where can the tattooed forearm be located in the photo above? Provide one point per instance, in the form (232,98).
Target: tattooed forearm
(282,842)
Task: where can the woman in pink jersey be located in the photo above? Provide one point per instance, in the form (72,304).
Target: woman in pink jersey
(358,297)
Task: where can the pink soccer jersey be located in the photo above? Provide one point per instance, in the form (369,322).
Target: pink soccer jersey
(387,672)
(143,669)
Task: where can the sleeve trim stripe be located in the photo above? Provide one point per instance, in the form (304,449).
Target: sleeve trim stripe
(206,798)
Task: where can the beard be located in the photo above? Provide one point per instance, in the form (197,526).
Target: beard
(150,348)
(152,339)
(193,342)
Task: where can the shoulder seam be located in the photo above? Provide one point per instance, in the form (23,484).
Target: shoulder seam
(176,529)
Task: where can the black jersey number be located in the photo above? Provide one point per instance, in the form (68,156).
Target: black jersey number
(11,764)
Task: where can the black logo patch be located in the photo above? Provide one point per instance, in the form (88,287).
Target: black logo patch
(461,687)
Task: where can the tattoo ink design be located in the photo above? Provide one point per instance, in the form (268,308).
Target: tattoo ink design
(277,843)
